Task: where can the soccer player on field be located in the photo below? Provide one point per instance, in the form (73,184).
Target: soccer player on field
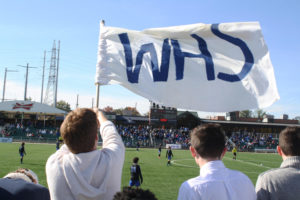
(169,155)
(138,146)
(57,144)
(159,151)
(234,151)
(22,151)
(136,174)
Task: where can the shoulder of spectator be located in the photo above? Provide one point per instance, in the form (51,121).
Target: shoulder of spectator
(264,179)
(268,173)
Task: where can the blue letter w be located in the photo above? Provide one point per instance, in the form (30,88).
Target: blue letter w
(133,72)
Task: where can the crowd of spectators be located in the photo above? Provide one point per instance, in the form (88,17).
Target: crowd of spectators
(250,141)
(149,136)
(30,131)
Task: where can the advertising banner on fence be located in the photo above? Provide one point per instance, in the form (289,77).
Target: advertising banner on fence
(205,67)
(5,140)
(173,146)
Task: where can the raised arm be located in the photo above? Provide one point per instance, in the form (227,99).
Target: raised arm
(111,138)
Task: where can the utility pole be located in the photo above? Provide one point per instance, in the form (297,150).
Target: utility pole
(26,80)
(57,66)
(42,92)
(4,83)
(77,101)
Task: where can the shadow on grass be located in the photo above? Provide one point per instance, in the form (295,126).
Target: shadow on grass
(34,164)
(131,149)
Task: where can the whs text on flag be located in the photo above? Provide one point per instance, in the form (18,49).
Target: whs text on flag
(206,67)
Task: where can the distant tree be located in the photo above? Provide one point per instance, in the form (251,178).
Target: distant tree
(28,99)
(246,114)
(133,110)
(108,109)
(118,111)
(259,113)
(63,105)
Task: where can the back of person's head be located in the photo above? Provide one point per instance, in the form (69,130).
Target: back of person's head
(134,194)
(208,140)
(23,173)
(135,160)
(289,141)
(79,130)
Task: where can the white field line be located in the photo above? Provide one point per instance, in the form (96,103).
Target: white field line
(249,163)
(265,161)
(34,143)
(182,165)
(245,162)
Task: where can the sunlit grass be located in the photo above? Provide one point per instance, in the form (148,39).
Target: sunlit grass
(164,181)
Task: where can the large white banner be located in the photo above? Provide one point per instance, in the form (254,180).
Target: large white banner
(204,67)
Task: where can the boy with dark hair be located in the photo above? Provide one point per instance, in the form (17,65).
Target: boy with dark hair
(283,182)
(215,180)
(134,194)
(169,155)
(136,174)
(22,151)
(78,170)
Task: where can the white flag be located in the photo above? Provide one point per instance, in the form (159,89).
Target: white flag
(205,67)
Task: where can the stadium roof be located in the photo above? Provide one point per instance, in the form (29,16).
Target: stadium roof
(29,107)
(247,123)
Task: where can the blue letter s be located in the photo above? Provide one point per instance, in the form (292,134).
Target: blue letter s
(249,60)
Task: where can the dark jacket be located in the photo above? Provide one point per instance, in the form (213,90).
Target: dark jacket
(18,189)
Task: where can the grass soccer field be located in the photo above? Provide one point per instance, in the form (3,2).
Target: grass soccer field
(162,180)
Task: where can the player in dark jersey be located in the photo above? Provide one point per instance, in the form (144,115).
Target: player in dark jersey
(169,155)
(57,144)
(136,174)
(138,146)
(159,151)
(22,151)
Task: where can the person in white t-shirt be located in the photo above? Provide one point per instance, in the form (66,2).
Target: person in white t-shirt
(78,170)
(215,180)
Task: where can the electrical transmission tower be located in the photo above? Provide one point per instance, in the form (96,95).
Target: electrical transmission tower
(51,92)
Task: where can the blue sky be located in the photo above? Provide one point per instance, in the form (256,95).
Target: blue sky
(27,28)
